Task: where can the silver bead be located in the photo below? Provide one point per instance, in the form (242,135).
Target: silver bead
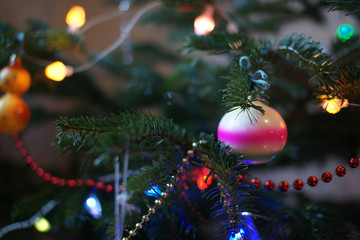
(145,218)
(151,210)
(158,202)
(138,226)
(132,233)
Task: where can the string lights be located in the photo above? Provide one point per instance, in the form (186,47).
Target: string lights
(333,105)
(93,206)
(75,18)
(205,24)
(42,225)
(57,71)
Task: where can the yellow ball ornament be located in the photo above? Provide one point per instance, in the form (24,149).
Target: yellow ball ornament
(14,78)
(14,113)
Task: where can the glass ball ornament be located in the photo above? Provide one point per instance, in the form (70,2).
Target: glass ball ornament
(14,114)
(14,78)
(258,139)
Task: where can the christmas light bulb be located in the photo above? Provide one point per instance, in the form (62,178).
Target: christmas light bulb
(205,24)
(153,192)
(334,105)
(57,71)
(75,18)
(237,236)
(93,206)
(42,225)
(345,32)
(203,182)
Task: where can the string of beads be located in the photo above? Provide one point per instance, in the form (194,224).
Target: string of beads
(298,184)
(163,195)
(54,180)
(48,177)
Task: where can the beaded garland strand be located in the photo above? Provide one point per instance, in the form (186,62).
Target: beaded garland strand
(34,166)
(269,185)
(298,184)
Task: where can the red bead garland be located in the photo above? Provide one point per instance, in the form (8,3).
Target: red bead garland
(354,162)
(269,185)
(241,178)
(283,186)
(34,166)
(340,171)
(326,177)
(255,182)
(298,184)
(312,181)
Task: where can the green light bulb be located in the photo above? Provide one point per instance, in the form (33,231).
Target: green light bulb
(345,32)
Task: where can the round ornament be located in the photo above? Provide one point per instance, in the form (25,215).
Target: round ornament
(14,114)
(14,78)
(258,138)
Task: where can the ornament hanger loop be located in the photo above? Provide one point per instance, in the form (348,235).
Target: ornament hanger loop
(247,63)
(261,82)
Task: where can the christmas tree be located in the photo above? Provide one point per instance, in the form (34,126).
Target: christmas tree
(199,120)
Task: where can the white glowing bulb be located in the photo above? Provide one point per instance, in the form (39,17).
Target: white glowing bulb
(75,18)
(93,206)
(91,202)
(205,24)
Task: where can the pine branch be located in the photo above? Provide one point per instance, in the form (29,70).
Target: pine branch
(7,37)
(326,75)
(107,134)
(304,222)
(241,91)
(229,195)
(352,6)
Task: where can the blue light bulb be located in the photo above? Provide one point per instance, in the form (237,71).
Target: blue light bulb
(237,236)
(153,192)
(93,206)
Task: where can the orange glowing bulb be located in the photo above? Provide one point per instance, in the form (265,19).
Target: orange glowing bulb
(75,18)
(334,105)
(57,71)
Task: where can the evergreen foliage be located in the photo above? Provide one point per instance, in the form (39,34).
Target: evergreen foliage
(159,146)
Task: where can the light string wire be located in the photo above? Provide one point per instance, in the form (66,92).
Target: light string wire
(117,43)
(125,33)
(120,199)
(29,222)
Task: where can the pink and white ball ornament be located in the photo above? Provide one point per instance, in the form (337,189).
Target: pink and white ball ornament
(257,139)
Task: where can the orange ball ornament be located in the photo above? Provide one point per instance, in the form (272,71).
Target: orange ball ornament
(14,78)
(14,113)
